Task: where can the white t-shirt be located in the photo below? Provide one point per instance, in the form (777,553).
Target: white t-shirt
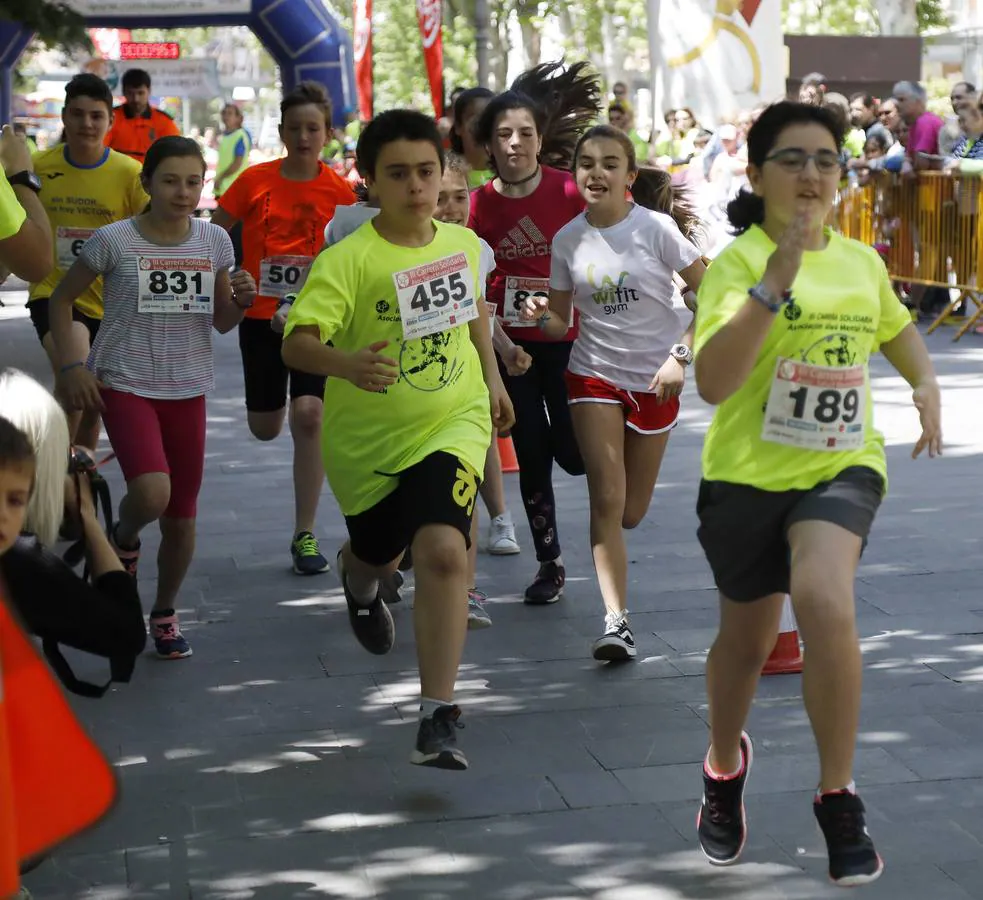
(348,219)
(630,314)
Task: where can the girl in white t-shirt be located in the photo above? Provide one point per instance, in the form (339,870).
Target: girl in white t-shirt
(616,262)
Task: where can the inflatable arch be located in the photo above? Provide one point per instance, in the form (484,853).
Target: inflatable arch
(304,37)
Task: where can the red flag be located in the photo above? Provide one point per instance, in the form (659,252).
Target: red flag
(363,57)
(429,14)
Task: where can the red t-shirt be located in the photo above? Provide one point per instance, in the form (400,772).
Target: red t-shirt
(283,226)
(521,231)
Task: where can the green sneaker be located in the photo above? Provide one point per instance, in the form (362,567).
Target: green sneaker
(307,556)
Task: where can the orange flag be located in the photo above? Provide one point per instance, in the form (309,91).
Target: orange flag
(54,781)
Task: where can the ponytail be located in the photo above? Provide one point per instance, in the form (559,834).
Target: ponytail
(745,210)
(654,190)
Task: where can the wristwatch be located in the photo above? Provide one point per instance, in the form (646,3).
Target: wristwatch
(767,299)
(682,354)
(27,179)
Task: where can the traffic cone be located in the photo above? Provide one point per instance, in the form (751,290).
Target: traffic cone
(506,451)
(786,658)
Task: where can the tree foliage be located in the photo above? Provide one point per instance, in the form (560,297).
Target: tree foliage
(870,17)
(55,24)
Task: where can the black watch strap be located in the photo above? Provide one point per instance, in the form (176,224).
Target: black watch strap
(27,179)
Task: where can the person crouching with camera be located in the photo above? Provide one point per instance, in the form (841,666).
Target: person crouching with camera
(102,614)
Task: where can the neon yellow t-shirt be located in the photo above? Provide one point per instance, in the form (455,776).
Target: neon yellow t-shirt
(844,309)
(439,402)
(12,214)
(78,200)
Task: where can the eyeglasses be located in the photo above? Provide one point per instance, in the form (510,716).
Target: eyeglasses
(793,160)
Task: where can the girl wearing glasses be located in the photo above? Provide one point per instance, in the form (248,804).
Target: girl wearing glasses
(793,469)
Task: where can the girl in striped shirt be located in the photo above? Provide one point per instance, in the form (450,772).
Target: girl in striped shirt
(168,282)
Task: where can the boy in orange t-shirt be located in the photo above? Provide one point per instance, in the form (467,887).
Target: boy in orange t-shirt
(284,207)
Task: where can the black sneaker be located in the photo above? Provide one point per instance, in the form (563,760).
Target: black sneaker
(389,588)
(547,587)
(617,642)
(852,857)
(373,624)
(406,563)
(722,824)
(436,741)
(307,556)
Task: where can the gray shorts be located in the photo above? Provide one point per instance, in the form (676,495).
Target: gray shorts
(744,530)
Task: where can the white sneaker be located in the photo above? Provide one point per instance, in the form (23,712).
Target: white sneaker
(501,536)
(617,642)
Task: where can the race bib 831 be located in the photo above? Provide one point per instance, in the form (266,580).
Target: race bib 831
(171,284)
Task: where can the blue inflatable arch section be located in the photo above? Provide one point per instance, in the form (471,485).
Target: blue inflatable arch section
(304,37)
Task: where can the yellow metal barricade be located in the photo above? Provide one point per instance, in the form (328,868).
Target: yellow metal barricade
(927,227)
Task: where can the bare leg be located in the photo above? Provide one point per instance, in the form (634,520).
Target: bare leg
(600,431)
(824,566)
(440,618)
(146,499)
(745,640)
(643,460)
(492,486)
(305,426)
(177,549)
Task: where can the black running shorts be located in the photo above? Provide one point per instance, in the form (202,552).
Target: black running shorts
(744,530)
(438,490)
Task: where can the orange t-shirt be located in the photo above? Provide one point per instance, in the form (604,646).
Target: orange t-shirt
(283,226)
(133,135)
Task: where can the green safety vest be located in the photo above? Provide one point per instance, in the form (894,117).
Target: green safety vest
(227,155)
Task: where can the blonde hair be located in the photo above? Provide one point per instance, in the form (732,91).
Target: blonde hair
(29,407)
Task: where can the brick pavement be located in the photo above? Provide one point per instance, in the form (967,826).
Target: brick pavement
(274,763)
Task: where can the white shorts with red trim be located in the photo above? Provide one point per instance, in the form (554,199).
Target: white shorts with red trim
(643,411)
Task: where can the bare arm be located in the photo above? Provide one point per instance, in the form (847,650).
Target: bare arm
(482,340)
(550,315)
(223,219)
(233,296)
(29,254)
(909,355)
(303,350)
(70,288)
(727,359)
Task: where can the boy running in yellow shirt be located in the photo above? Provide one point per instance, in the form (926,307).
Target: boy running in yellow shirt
(391,316)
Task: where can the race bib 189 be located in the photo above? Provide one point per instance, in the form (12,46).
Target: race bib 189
(435,296)
(816,407)
(69,243)
(171,284)
(517,291)
(282,275)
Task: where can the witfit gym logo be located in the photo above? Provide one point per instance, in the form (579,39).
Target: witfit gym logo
(382,312)
(611,293)
(523,241)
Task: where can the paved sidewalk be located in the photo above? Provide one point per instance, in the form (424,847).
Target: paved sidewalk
(274,763)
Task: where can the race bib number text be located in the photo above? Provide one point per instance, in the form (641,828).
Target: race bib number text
(816,407)
(175,285)
(435,296)
(517,291)
(69,243)
(282,275)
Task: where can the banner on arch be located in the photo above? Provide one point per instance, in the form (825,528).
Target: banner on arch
(716,57)
(429,14)
(362,41)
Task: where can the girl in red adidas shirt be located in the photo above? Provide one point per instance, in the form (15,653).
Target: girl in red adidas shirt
(518,213)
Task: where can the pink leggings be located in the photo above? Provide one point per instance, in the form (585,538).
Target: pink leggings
(166,436)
